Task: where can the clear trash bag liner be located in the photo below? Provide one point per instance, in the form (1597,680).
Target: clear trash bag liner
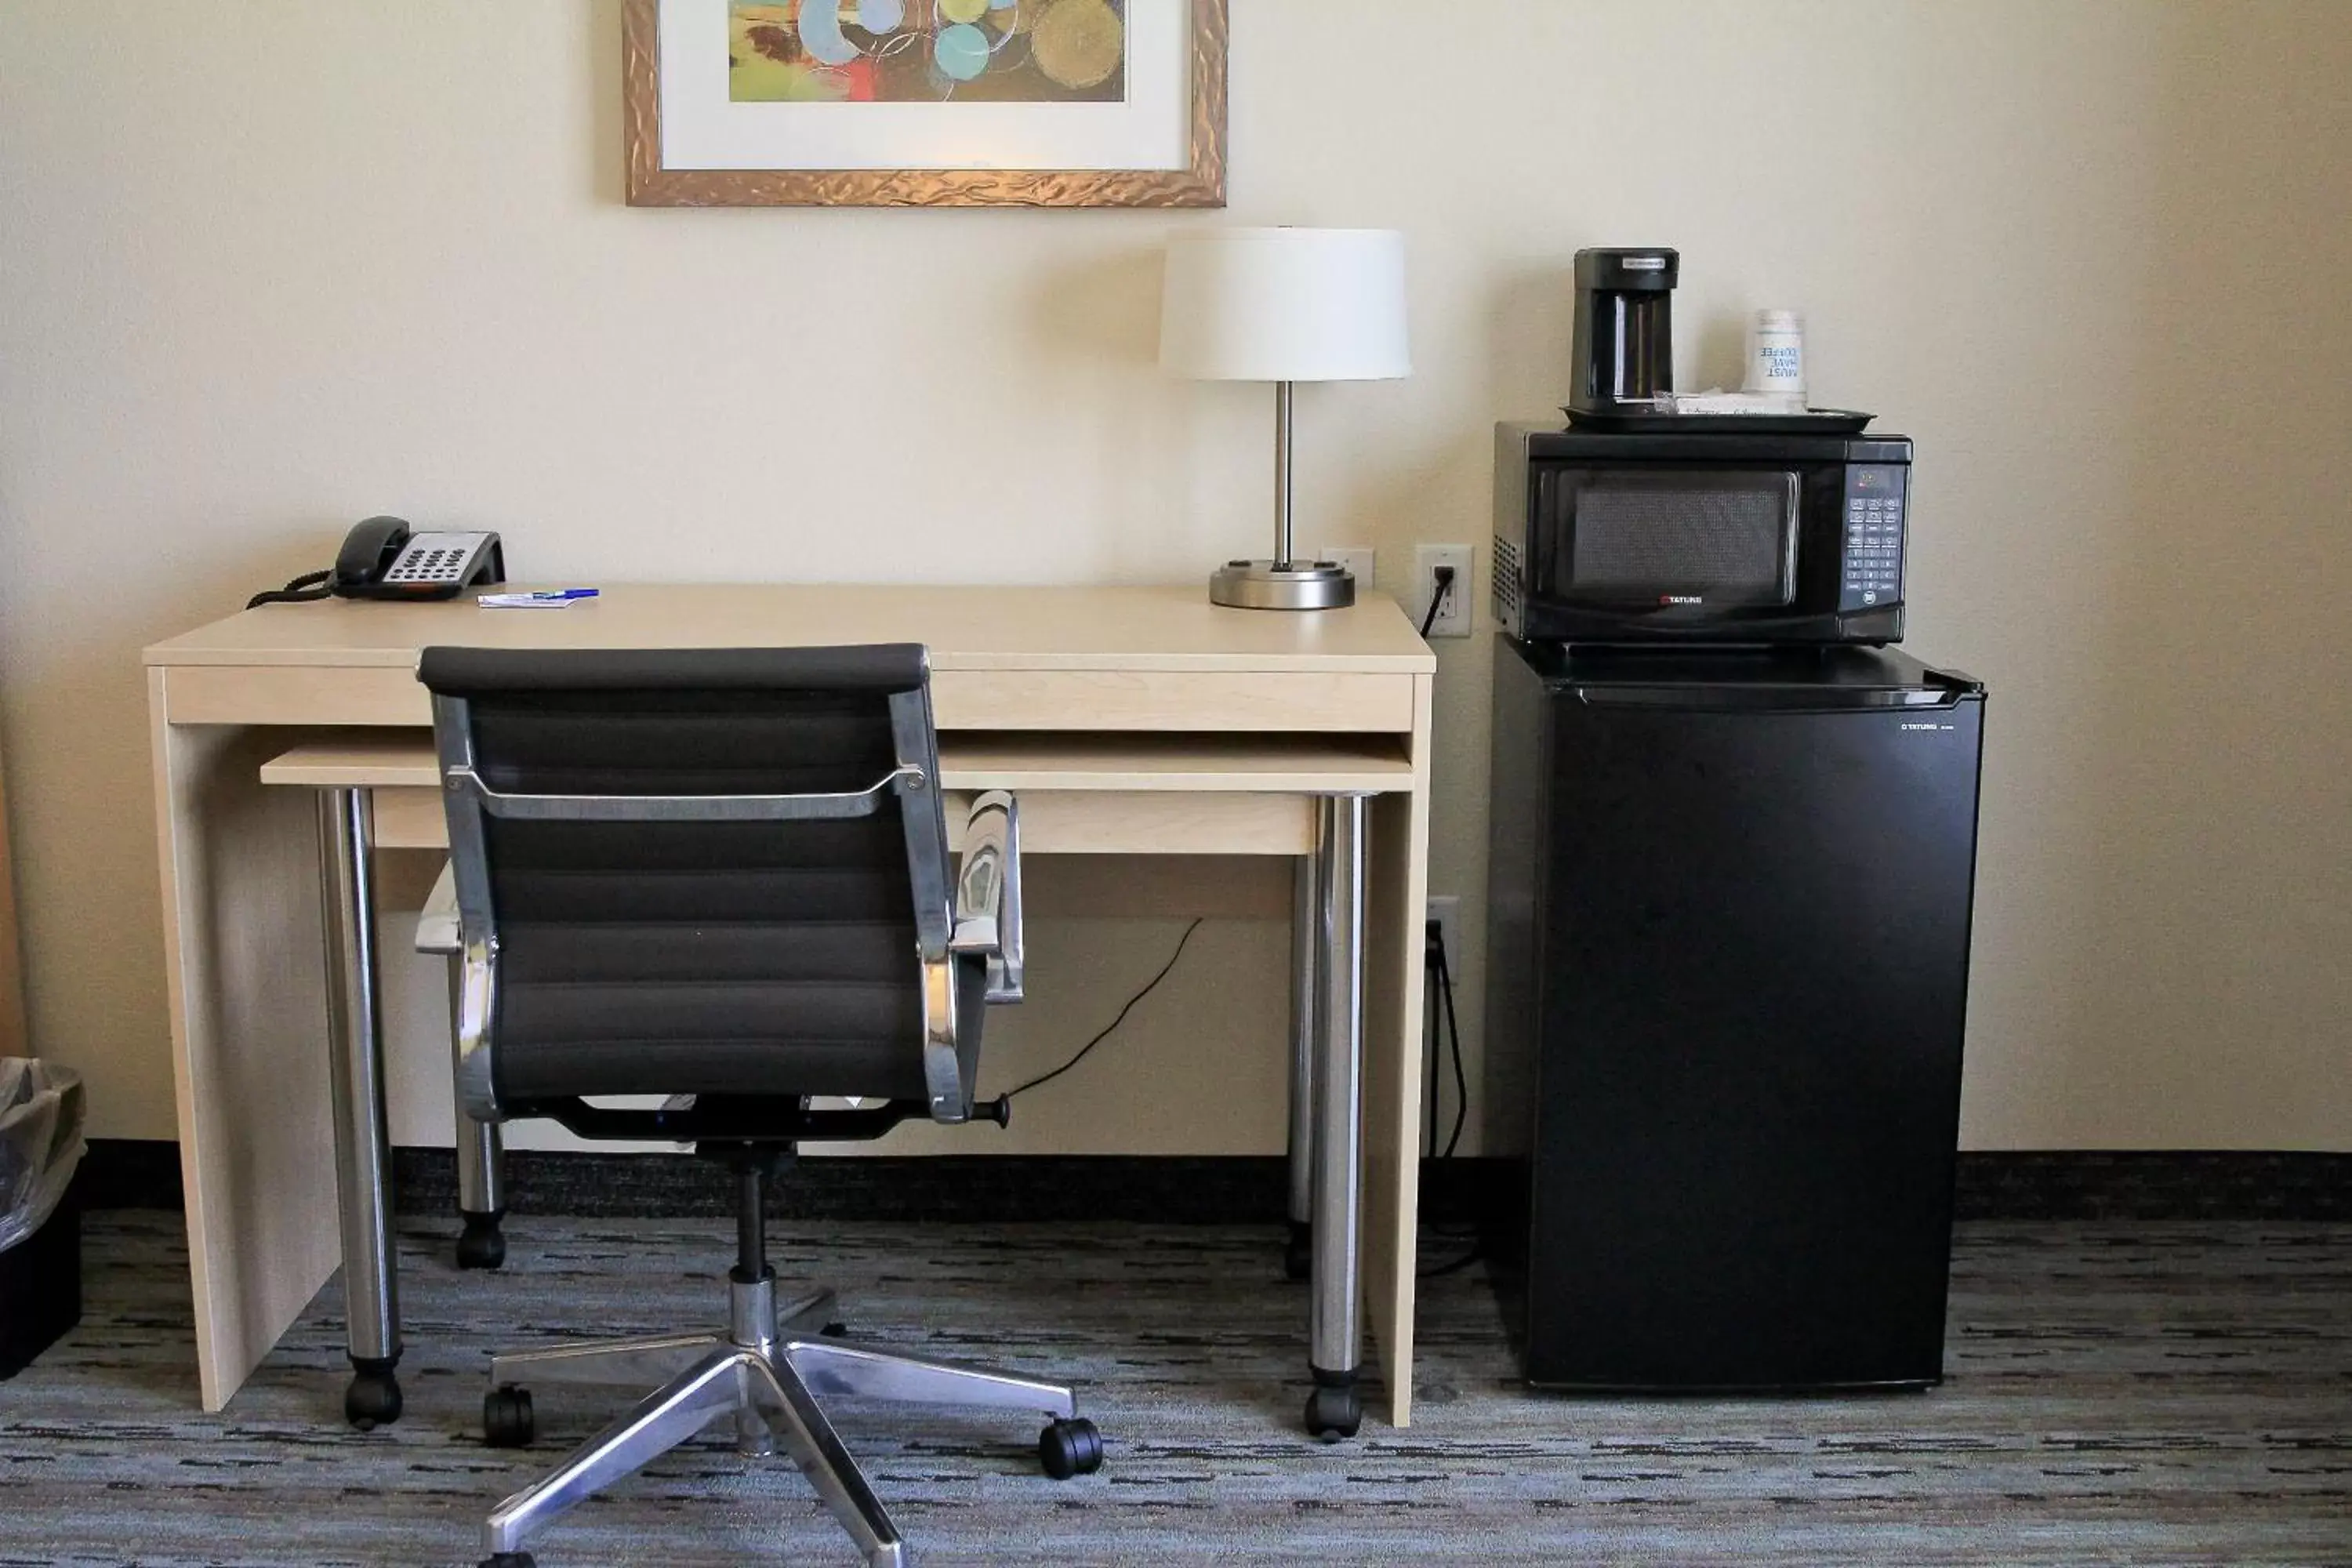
(40,1142)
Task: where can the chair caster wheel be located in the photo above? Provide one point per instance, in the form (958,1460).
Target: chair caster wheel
(835,1331)
(1299,1252)
(373,1400)
(510,1560)
(481,1244)
(507,1419)
(1072,1448)
(1334,1411)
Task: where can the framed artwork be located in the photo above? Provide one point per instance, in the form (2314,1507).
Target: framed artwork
(1063,103)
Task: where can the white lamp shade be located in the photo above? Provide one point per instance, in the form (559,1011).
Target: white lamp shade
(1284,304)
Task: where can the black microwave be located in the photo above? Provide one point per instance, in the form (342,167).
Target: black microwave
(1700,538)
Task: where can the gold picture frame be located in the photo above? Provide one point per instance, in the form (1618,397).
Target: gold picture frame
(1200,183)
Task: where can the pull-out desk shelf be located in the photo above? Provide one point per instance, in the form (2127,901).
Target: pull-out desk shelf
(1080,795)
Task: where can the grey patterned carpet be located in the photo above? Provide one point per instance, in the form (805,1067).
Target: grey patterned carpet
(2116,1392)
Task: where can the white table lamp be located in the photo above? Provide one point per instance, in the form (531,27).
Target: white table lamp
(1285,305)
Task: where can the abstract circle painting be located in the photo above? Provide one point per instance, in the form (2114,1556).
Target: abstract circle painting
(1113,103)
(916,51)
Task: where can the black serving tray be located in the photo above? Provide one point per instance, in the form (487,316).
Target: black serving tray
(1811,422)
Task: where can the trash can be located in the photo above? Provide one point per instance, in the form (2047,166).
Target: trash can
(40,1216)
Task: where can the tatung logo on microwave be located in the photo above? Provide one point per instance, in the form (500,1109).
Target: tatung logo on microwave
(1681,599)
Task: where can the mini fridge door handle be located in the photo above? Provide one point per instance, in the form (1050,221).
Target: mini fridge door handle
(1775,698)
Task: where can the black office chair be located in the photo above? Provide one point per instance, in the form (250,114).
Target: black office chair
(724,875)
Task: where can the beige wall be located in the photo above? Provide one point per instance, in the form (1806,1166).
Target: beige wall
(266,268)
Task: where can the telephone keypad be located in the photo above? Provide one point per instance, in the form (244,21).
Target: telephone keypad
(428,565)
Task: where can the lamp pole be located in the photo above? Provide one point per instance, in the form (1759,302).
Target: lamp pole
(1284,582)
(1282,559)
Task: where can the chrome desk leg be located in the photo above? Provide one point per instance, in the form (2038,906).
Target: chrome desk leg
(362,1142)
(1336,1333)
(481,1186)
(1304,913)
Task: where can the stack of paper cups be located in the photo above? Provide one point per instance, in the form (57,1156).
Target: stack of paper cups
(1776,354)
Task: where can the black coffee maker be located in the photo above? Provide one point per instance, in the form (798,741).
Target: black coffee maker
(1624,329)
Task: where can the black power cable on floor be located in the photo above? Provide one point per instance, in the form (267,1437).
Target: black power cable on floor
(1474,1253)
(1445,973)
(1153,984)
(1442,971)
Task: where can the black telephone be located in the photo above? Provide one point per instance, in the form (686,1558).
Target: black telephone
(383,558)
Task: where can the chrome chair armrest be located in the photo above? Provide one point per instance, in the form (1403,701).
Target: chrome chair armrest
(438,932)
(988,892)
(436,924)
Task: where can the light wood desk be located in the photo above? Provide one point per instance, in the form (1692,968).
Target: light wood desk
(12,974)
(1128,720)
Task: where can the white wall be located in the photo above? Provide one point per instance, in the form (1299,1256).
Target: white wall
(265,269)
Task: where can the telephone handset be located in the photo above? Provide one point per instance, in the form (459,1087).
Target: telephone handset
(383,558)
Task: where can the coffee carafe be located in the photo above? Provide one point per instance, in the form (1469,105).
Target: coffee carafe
(1624,329)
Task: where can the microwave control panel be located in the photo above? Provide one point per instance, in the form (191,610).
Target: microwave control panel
(1874,494)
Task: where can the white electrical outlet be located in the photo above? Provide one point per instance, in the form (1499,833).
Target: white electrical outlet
(1447,912)
(1452,619)
(1356,558)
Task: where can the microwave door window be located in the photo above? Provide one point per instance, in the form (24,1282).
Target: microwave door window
(1719,540)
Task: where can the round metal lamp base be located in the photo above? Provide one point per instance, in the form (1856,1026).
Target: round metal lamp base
(1301,586)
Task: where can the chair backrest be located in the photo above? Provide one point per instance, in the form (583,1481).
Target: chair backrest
(719,872)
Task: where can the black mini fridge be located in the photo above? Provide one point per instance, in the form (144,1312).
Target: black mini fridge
(1728,972)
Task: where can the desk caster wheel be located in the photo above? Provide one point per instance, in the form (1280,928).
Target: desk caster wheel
(373,1400)
(1299,1252)
(1072,1448)
(1334,1411)
(481,1244)
(507,1419)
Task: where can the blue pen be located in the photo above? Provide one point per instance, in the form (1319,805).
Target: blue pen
(535,598)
